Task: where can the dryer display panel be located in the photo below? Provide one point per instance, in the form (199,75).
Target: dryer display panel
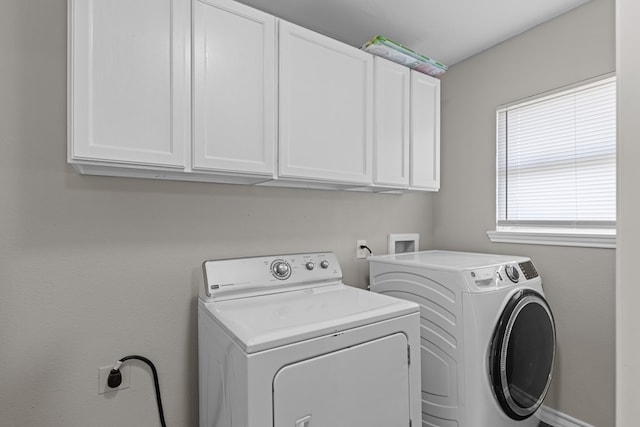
(528,270)
(338,389)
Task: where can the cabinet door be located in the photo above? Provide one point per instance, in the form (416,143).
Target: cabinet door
(129,81)
(234,60)
(391,123)
(425,132)
(325,108)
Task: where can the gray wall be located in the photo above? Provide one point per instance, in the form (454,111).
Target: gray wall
(93,268)
(579,282)
(628,292)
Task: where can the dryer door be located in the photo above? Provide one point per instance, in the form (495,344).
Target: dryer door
(363,385)
(522,354)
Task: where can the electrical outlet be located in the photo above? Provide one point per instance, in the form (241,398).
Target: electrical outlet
(103,374)
(361,253)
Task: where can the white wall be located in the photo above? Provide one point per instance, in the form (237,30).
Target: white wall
(93,268)
(628,292)
(579,282)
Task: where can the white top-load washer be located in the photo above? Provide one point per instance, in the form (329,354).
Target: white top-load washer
(284,343)
(487,334)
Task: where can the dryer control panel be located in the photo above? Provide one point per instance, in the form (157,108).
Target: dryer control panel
(241,277)
(499,276)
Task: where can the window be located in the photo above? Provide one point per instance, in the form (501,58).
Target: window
(556,167)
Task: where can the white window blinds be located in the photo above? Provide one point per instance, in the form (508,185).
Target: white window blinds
(556,160)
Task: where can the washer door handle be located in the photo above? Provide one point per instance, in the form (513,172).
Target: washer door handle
(304,422)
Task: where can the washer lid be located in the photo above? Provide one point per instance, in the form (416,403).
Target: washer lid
(262,322)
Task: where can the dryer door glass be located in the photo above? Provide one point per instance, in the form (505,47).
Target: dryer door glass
(363,385)
(522,354)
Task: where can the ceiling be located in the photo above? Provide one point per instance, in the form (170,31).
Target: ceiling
(445,30)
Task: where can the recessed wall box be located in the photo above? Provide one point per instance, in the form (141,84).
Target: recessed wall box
(401,243)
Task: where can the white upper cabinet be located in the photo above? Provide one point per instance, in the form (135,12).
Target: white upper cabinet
(214,90)
(234,88)
(326,100)
(425,132)
(391,124)
(129,81)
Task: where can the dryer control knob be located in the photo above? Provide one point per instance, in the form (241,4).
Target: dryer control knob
(281,270)
(310,265)
(324,264)
(512,273)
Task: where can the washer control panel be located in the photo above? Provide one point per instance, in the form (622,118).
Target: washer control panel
(501,275)
(234,278)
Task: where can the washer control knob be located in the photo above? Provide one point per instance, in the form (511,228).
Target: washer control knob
(310,265)
(512,273)
(324,264)
(281,269)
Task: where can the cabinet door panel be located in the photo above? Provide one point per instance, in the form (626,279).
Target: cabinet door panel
(325,108)
(129,81)
(234,87)
(391,124)
(425,132)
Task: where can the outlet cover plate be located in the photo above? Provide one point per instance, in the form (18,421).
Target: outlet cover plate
(361,253)
(103,374)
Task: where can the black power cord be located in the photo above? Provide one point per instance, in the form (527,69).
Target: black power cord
(367,248)
(115,379)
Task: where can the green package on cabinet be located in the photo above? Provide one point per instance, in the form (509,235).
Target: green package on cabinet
(393,51)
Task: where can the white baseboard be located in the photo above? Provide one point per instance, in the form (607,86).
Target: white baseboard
(558,419)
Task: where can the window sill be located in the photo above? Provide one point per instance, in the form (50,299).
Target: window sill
(555,237)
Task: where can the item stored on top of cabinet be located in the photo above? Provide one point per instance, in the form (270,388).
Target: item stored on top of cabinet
(394,51)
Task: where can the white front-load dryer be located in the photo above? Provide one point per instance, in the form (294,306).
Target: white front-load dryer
(487,334)
(284,343)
